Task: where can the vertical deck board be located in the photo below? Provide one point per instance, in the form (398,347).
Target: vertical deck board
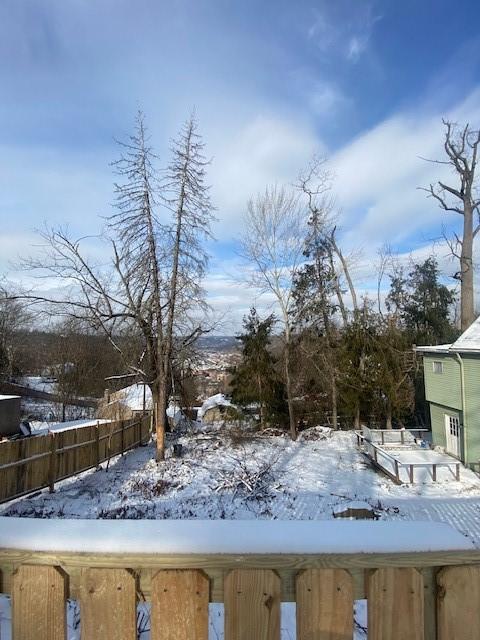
(252,605)
(38,603)
(108,604)
(395,605)
(324,605)
(180,605)
(458,603)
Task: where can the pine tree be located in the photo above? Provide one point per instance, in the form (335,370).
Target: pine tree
(255,379)
(316,286)
(422,303)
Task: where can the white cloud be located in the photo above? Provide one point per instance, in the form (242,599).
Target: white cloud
(378,175)
(356,46)
(326,99)
(264,150)
(346,36)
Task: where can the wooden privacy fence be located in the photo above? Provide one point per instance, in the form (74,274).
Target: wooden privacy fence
(413,601)
(30,464)
(410,596)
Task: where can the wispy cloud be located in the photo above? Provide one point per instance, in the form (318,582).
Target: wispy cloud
(342,34)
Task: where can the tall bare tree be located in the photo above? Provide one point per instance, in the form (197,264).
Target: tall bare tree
(187,195)
(463,197)
(152,287)
(315,184)
(273,243)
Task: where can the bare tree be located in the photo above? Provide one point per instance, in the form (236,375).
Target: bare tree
(13,319)
(151,289)
(315,183)
(273,243)
(461,146)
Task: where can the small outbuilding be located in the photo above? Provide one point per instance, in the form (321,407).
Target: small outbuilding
(124,404)
(452,390)
(217,408)
(9,415)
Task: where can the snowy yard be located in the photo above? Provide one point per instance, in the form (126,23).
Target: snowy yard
(224,476)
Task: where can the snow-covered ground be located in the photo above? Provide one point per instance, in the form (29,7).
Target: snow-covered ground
(225,476)
(37,410)
(39,383)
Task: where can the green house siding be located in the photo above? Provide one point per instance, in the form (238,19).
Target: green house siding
(443,388)
(444,393)
(471,364)
(437,417)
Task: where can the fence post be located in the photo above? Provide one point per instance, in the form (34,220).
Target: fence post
(396,471)
(97,446)
(122,434)
(411,473)
(52,467)
(402,436)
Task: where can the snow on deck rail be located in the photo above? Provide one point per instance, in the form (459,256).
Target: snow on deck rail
(215,537)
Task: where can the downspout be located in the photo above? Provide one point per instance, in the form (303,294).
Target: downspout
(464,407)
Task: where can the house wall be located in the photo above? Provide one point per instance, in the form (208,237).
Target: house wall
(437,417)
(472,405)
(443,388)
(443,392)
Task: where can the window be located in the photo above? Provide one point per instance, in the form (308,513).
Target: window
(437,367)
(454,424)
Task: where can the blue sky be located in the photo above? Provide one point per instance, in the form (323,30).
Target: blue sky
(273,81)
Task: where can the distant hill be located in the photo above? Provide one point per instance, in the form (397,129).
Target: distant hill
(217,343)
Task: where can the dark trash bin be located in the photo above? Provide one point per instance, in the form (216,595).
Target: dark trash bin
(177,450)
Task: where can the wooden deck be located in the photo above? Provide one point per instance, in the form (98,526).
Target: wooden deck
(392,462)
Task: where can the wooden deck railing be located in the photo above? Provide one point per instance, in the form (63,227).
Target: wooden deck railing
(30,464)
(425,595)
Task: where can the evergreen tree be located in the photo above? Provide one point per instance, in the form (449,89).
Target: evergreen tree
(422,303)
(394,390)
(316,286)
(359,366)
(255,379)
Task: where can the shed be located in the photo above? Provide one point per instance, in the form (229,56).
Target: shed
(9,415)
(452,389)
(126,403)
(216,409)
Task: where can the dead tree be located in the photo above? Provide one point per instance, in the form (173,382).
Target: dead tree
(461,145)
(151,289)
(273,243)
(186,194)
(315,183)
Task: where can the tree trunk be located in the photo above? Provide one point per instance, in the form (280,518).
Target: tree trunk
(356,422)
(346,271)
(388,421)
(288,384)
(260,398)
(467,307)
(334,403)
(160,399)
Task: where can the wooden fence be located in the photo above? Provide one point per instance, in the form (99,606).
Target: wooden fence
(30,464)
(414,596)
